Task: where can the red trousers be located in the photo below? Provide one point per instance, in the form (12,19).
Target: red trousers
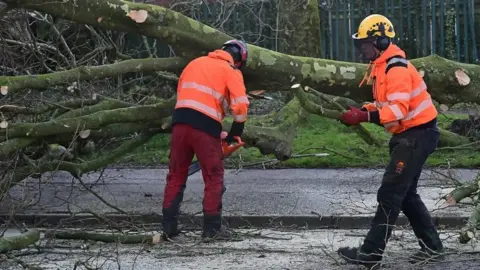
(185,142)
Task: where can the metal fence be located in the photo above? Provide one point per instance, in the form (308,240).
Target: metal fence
(423,27)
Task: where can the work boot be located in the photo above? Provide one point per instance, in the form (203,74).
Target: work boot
(359,257)
(167,235)
(170,223)
(370,254)
(426,255)
(212,228)
(223,234)
(431,248)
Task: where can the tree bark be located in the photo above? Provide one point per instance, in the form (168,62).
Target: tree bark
(266,69)
(304,28)
(11,84)
(469,189)
(113,237)
(183,32)
(21,241)
(294,28)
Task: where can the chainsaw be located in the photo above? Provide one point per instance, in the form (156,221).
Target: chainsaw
(226,149)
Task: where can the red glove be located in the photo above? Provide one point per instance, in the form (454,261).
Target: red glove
(355,116)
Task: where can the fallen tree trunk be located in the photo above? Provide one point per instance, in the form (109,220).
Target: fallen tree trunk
(113,237)
(461,192)
(92,117)
(21,241)
(448,81)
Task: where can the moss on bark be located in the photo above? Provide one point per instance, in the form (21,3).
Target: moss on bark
(16,83)
(19,241)
(300,34)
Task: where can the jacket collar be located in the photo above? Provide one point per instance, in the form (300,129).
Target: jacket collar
(221,54)
(391,51)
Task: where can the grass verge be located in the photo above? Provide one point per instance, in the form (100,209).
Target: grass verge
(319,135)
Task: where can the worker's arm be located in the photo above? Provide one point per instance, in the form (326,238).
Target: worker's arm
(399,89)
(238,102)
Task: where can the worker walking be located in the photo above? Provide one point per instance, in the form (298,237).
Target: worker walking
(404,108)
(207,88)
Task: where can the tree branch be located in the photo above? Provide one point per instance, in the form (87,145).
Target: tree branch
(11,84)
(90,121)
(75,169)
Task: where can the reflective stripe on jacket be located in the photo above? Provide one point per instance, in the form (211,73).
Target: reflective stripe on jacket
(399,92)
(211,85)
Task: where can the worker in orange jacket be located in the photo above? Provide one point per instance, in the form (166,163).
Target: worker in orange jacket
(404,108)
(207,88)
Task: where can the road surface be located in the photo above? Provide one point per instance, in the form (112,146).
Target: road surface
(298,192)
(253,249)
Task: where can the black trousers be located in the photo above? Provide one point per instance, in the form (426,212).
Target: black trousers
(398,191)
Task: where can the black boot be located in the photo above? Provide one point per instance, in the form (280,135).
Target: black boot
(431,247)
(359,257)
(170,223)
(171,215)
(212,228)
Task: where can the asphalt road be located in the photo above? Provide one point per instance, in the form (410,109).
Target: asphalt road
(249,192)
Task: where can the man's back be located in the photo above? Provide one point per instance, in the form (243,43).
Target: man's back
(207,71)
(204,90)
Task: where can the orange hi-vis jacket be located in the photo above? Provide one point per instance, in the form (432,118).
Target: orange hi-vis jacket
(400,93)
(211,85)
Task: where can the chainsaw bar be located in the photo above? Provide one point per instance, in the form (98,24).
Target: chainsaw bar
(194,167)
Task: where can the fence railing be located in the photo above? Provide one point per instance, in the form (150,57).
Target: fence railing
(423,27)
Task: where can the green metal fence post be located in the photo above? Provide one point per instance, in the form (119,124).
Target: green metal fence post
(434,27)
(345,34)
(457,30)
(442,29)
(425,19)
(472,29)
(352,13)
(465,31)
(337,22)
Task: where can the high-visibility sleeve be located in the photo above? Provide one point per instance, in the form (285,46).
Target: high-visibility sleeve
(238,96)
(398,92)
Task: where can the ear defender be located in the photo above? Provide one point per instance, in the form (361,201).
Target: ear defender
(382,43)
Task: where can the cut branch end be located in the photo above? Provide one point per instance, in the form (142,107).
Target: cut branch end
(462,78)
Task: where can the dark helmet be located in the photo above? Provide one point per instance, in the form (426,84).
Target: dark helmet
(239,51)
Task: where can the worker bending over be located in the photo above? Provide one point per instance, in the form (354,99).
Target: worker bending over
(403,107)
(207,88)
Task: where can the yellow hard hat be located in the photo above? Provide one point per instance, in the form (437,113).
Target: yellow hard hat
(374,25)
